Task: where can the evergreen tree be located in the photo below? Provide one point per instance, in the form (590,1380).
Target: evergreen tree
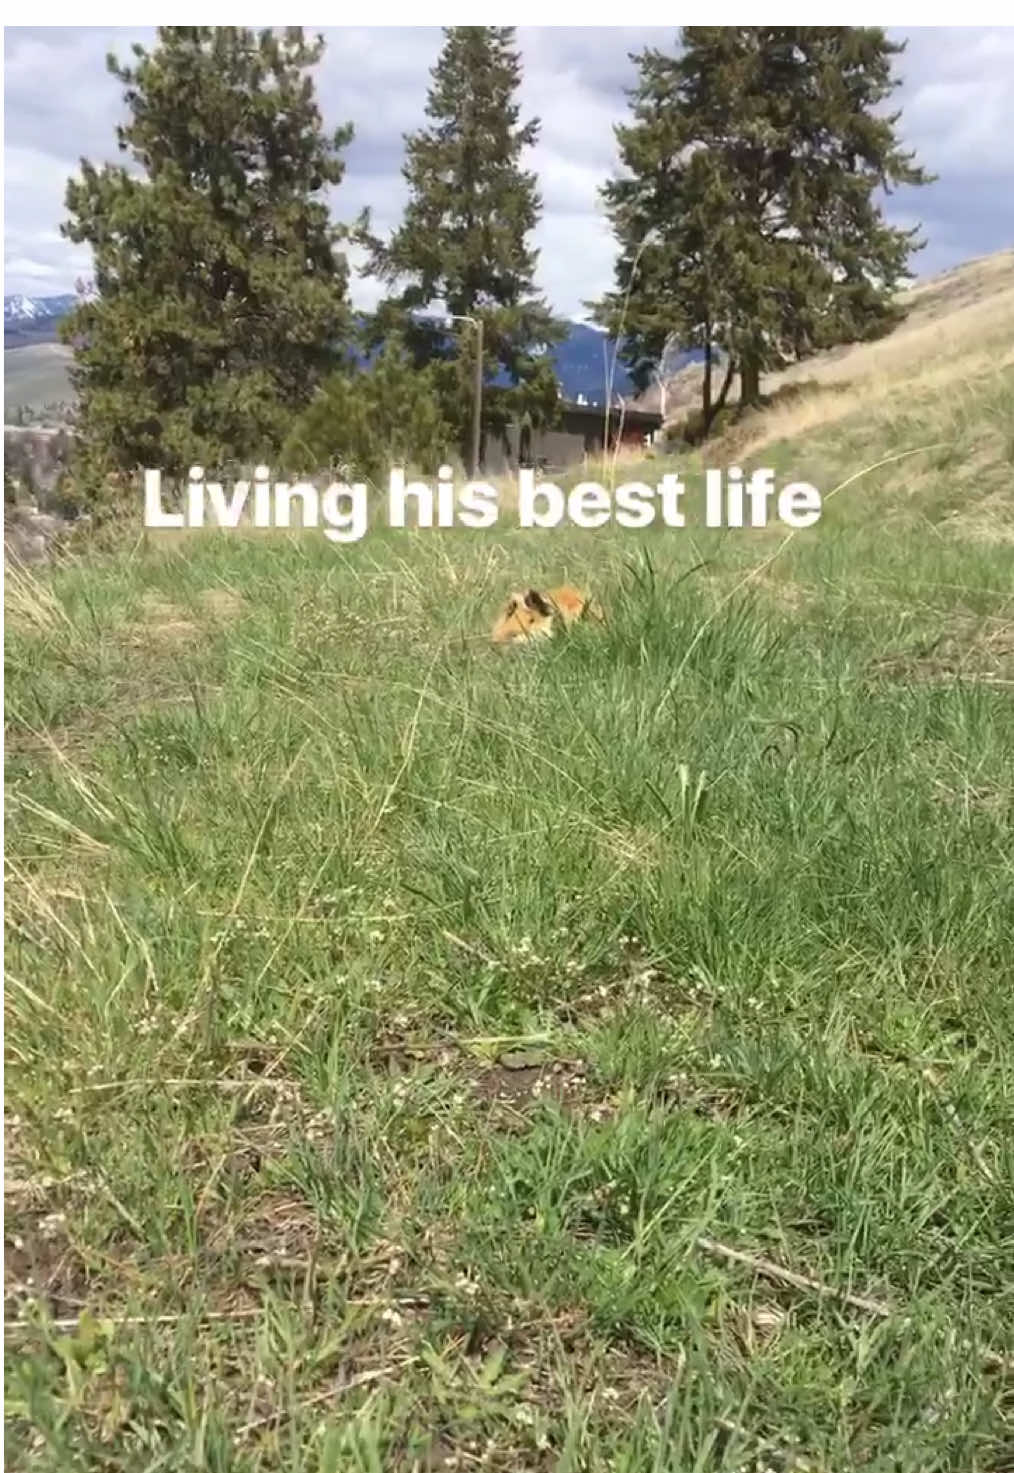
(362,423)
(747,216)
(464,236)
(221,296)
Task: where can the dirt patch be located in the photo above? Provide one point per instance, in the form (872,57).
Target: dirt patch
(561,1354)
(278,1230)
(157,608)
(221,603)
(163,622)
(393,1053)
(784,593)
(169,623)
(173,631)
(521,1086)
(40,1262)
(971,651)
(507,1087)
(512,1086)
(990,521)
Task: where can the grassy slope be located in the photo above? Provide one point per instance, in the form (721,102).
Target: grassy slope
(407,1024)
(36,374)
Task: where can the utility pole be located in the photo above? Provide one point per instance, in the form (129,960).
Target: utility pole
(477,405)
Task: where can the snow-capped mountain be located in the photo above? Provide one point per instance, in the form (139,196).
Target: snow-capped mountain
(34,319)
(31,309)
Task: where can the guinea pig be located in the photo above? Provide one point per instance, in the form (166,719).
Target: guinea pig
(532,614)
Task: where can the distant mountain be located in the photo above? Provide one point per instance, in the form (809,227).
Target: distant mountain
(35,309)
(34,319)
(582,368)
(584,363)
(580,364)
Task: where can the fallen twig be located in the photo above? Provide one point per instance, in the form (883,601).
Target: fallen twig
(475,951)
(768,1269)
(279,1415)
(180,1083)
(771,1270)
(974,1150)
(132,1321)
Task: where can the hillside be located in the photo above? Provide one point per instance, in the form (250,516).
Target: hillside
(959,326)
(955,322)
(36,375)
(608,1049)
(960,301)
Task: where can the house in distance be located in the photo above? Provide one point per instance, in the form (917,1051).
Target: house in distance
(582,431)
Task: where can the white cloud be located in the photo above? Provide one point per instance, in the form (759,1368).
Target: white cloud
(957,100)
(957,111)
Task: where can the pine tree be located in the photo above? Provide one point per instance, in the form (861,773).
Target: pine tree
(221,294)
(362,423)
(463,240)
(747,216)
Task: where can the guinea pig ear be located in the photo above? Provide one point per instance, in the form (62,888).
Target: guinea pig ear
(535,600)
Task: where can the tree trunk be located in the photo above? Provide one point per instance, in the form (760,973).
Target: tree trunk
(712,407)
(706,388)
(723,393)
(749,380)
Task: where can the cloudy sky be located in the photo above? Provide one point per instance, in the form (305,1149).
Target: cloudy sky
(957,101)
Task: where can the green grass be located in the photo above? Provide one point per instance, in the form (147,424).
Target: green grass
(400,1035)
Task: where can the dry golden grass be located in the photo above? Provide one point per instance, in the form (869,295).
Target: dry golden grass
(960,328)
(29,602)
(221,603)
(989,520)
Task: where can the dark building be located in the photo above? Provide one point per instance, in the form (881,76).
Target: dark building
(580,431)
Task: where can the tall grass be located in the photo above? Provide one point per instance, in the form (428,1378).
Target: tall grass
(588,1058)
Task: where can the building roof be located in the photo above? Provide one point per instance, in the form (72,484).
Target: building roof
(649,419)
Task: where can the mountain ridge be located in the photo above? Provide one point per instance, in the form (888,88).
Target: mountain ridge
(578,360)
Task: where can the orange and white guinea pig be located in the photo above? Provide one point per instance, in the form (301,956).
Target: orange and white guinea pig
(531,614)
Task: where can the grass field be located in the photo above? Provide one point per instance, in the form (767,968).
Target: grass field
(35,375)
(591,1059)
